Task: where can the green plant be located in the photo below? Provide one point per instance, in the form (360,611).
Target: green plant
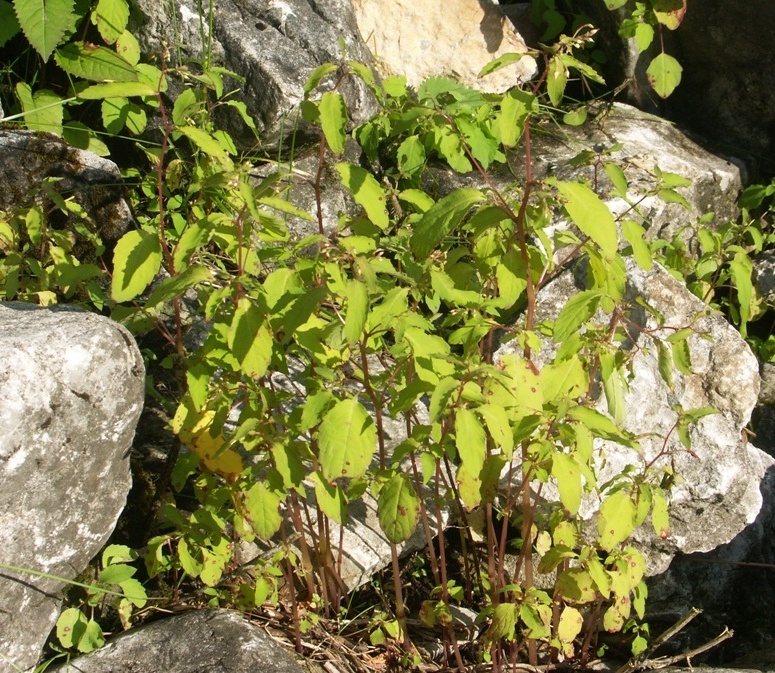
(312,344)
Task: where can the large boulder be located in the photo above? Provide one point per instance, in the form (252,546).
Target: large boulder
(29,158)
(200,641)
(71,391)
(419,39)
(274,45)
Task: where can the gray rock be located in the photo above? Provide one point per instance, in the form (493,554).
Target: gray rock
(720,493)
(29,157)
(274,45)
(200,641)
(71,391)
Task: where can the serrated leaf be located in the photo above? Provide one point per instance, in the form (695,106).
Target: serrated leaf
(613,386)
(598,573)
(599,424)
(136,261)
(209,144)
(589,214)
(250,340)
(366,191)
(664,74)
(398,508)
(670,13)
(111,18)
(564,380)
(577,310)
(571,623)
(556,80)
(634,234)
(441,218)
(576,585)
(440,396)
(411,156)
(347,439)
(9,25)
(44,22)
(665,363)
(682,358)
(616,520)
(317,75)
(263,510)
(660,517)
(330,498)
(98,64)
(357,308)
(117,90)
(516,107)
(175,286)
(70,627)
(470,440)
(497,421)
(566,471)
(333,120)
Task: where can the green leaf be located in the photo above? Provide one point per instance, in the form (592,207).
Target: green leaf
(175,286)
(117,90)
(134,592)
(136,261)
(262,507)
(331,498)
(366,191)
(556,80)
(116,573)
(634,234)
(209,144)
(659,514)
(599,575)
(442,217)
(70,627)
(589,214)
(111,18)
(670,13)
(599,424)
(470,440)
(44,22)
(576,585)
(644,36)
(9,25)
(333,120)
(98,64)
(568,475)
(564,380)
(577,310)
(398,508)
(741,269)
(502,61)
(615,4)
(347,439)
(682,357)
(665,362)
(497,421)
(357,308)
(616,520)
(43,109)
(616,176)
(250,340)
(92,638)
(317,75)
(516,107)
(613,386)
(411,156)
(664,74)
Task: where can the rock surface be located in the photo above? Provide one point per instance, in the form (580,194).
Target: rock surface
(27,158)
(455,38)
(200,641)
(274,45)
(720,492)
(71,391)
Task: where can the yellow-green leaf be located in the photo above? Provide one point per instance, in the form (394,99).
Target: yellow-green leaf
(136,261)
(262,507)
(398,508)
(470,440)
(357,308)
(250,340)
(589,214)
(333,120)
(568,475)
(347,440)
(664,74)
(366,191)
(616,520)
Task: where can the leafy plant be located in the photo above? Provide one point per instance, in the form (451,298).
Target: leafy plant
(311,346)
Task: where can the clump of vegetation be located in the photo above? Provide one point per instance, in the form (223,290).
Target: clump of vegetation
(311,345)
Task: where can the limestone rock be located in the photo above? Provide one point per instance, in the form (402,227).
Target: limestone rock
(455,38)
(71,391)
(200,641)
(274,45)
(720,492)
(29,157)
